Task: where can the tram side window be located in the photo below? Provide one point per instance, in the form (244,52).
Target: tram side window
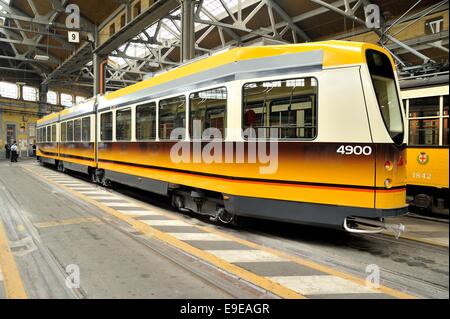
(172,115)
(207,110)
(77,130)
(146,122)
(286,109)
(445,122)
(63,131)
(106,126)
(54,133)
(424,106)
(123,125)
(70,131)
(86,129)
(424,121)
(49,134)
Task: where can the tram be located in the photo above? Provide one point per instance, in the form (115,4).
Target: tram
(426,108)
(306,133)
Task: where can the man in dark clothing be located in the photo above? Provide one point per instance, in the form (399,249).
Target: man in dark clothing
(14,152)
(7,151)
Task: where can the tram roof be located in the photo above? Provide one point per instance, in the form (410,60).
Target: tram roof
(334,53)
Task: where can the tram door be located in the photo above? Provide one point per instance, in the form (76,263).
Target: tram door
(10,133)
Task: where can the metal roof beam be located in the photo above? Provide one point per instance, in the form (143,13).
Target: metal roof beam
(19,70)
(287,19)
(31,43)
(155,12)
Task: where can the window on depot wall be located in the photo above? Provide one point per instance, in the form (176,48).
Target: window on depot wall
(30,93)
(112,29)
(66,100)
(79,99)
(52,97)
(137,9)
(9,90)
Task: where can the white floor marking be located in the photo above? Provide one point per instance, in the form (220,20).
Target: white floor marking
(165,223)
(242,256)
(139,213)
(94,192)
(199,236)
(120,204)
(316,285)
(105,197)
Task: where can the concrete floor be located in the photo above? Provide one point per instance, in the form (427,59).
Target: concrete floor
(114,260)
(117,261)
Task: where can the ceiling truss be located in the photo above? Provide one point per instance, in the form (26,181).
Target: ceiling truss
(160,44)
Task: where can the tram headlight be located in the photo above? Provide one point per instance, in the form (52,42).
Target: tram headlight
(387,183)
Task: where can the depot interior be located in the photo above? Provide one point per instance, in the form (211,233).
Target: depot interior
(55,54)
(42,72)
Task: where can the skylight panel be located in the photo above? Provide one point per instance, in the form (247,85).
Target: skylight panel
(118,61)
(167,32)
(151,30)
(214,6)
(137,50)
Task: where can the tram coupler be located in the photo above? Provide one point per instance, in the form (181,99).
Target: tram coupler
(379,225)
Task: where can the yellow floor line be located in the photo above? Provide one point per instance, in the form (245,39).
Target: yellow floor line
(310,264)
(14,288)
(253,278)
(304,262)
(64,222)
(420,240)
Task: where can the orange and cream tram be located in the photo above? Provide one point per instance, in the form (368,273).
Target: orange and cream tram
(427,154)
(336,158)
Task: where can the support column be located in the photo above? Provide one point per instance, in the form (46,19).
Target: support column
(43,89)
(187,30)
(99,70)
(99,78)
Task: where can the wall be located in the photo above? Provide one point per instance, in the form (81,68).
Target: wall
(24,116)
(104,33)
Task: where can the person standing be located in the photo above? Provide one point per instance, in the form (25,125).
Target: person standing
(7,151)
(14,152)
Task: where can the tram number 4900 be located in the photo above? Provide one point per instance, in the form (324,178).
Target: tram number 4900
(354,150)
